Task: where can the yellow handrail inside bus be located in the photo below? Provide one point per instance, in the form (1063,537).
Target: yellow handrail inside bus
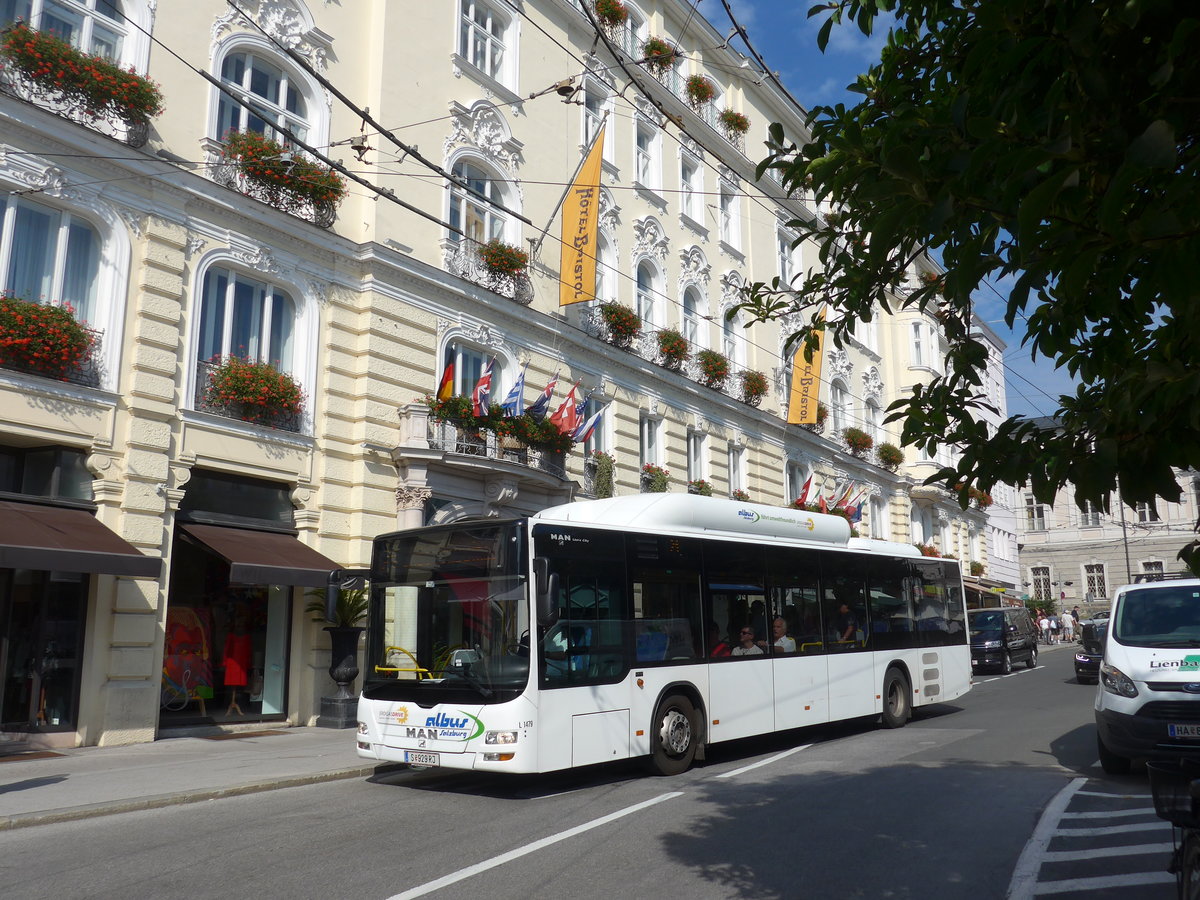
(421,671)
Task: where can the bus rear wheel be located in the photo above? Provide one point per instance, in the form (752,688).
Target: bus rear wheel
(897,705)
(673,736)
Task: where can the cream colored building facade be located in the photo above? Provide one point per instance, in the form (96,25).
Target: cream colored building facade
(179,265)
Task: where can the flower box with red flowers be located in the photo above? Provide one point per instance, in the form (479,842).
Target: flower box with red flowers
(754,387)
(253,391)
(858,440)
(672,347)
(699,89)
(282,178)
(714,368)
(42,339)
(611,13)
(622,322)
(733,121)
(659,55)
(76,84)
(503,259)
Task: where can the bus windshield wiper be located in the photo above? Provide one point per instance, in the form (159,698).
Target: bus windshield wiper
(460,664)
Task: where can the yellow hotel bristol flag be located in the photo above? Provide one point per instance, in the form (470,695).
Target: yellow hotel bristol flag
(581,215)
(806,383)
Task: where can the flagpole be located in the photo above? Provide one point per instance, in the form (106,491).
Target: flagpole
(570,184)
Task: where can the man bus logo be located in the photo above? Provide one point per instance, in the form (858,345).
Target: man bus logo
(442,727)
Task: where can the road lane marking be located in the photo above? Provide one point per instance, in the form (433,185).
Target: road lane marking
(1025,874)
(764,762)
(1078,885)
(1106,852)
(1160,825)
(1111,796)
(1109,813)
(446,880)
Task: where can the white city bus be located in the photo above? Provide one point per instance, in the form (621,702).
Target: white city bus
(602,630)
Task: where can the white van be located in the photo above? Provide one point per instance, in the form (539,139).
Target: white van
(1148,701)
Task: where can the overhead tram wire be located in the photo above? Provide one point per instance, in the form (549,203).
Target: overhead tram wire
(366,117)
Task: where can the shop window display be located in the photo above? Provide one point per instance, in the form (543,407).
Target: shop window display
(225,654)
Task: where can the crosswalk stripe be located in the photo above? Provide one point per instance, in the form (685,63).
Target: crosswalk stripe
(1106,852)
(1077,885)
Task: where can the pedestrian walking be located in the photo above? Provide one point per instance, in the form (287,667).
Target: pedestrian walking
(1044,626)
(1068,627)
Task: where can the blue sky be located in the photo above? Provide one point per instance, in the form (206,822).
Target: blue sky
(787,39)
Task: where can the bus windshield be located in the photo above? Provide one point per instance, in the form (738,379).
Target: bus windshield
(449,618)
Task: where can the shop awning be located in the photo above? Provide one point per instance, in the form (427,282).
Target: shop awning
(264,557)
(58,539)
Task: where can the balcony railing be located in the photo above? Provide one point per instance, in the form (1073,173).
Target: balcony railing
(228,173)
(452,439)
(462,259)
(43,94)
(283,420)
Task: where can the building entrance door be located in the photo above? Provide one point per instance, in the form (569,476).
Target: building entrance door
(41,649)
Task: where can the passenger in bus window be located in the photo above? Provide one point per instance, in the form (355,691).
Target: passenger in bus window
(783,643)
(758,619)
(717,645)
(846,624)
(746,644)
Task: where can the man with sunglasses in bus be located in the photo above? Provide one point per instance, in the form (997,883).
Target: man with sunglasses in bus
(746,645)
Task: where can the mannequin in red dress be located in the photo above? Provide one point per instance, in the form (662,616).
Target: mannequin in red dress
(237,662)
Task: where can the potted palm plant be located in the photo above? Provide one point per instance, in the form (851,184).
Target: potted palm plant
(350,610)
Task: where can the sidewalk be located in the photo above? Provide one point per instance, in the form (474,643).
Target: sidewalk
(99,781)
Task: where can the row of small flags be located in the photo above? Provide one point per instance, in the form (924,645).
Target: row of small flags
(568,417)
(851,498)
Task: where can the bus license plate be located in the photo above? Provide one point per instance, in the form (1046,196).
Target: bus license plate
(1184,731)
(422,759)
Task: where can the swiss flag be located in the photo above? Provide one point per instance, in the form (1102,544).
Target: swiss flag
(567,416)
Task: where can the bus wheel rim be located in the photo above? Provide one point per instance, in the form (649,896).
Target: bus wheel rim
(676,732)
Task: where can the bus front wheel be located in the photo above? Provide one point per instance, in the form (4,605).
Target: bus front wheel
(673,736)
(897,705)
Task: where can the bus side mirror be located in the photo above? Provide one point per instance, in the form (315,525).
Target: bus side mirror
(545,587)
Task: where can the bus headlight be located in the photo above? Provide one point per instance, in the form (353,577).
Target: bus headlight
(1117,682)
(500,737)
(362,727)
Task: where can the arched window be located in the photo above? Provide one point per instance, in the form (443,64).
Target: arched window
(879,529)
(606,270)
(241,316)
(279,101)
(692,310)
(477,219)
(733,339)
(647,288)
(871,420)
(97,27)
(469,361)
(839,402)
(49,256)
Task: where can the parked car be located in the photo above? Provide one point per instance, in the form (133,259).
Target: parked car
(1090,652)
(1148,705)
(1002,636)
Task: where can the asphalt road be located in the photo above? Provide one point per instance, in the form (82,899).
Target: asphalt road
(943,808)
